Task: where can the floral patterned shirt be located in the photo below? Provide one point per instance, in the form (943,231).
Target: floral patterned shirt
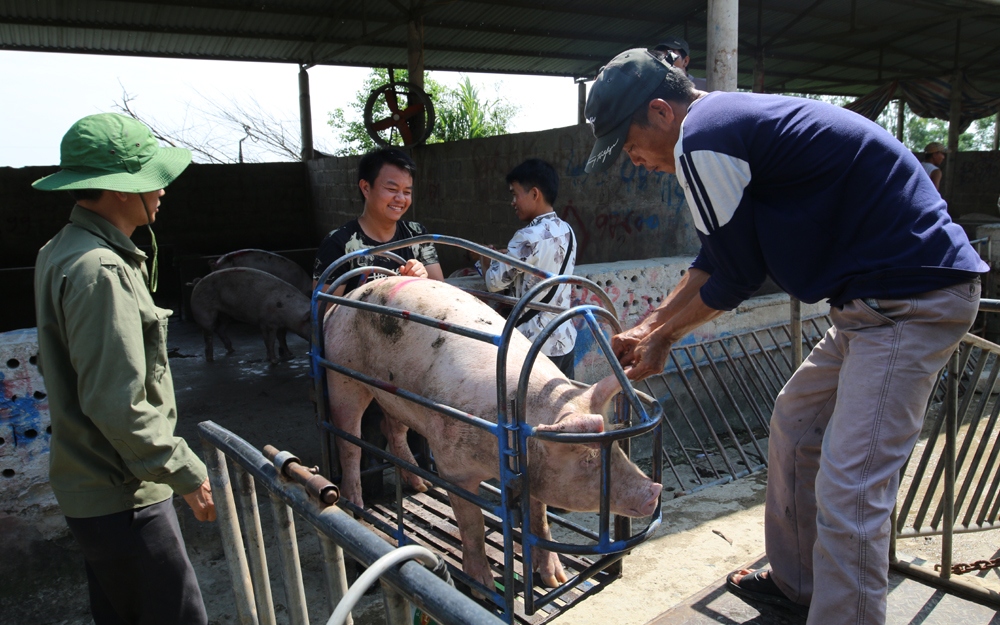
(544,243)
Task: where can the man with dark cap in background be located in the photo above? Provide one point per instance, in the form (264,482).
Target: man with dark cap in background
(830,206)
(115,463)
(680,59)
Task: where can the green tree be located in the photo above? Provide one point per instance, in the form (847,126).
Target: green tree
(462,113)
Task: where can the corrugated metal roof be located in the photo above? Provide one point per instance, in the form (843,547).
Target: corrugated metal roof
(829,46)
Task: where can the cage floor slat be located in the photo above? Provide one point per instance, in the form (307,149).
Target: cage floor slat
(429,521)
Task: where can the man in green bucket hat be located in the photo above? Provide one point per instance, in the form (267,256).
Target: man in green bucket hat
(115,463)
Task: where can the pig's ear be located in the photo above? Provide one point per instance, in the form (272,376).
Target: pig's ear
(601,393)
(575,423)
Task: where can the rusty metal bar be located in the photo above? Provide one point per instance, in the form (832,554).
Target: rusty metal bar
(232,540)
(315,484)
(288,553)
(255,536)
(335,573)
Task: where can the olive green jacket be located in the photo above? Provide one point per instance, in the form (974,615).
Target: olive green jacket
(103,354)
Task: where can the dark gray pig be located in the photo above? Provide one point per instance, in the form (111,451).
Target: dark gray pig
(251,296)
(461,372)
(274,264)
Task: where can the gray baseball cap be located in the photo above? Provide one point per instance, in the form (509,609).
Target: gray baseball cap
(621,87)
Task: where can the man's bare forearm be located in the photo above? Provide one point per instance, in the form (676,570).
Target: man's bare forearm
(682,310)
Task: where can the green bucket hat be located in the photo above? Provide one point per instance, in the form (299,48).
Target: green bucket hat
(115,153)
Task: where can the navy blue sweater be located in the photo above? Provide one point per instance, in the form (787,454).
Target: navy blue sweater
(824,201)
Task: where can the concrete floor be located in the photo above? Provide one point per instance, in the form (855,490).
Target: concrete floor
(703,536)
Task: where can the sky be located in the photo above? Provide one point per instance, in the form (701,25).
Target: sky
(44,93)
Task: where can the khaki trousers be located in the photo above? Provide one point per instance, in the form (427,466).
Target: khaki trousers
(841,430)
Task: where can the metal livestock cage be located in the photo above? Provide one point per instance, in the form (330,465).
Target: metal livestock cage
(594,556)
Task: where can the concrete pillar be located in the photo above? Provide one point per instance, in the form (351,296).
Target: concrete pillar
(581,101)
(305,114)
(723,35)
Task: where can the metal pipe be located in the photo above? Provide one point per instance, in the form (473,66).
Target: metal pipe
(950,434)
(335,573)
(291,569)
(232,540)
(315,484)
(960,587)
(795,330)
(255,536)
(900,118)
(442,602)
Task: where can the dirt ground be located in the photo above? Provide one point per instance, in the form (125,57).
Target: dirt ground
(703,535)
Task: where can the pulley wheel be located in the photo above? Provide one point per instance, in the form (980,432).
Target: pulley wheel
(395,129)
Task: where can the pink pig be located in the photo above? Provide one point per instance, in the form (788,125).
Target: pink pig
(461,372)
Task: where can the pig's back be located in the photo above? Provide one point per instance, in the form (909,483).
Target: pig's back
(449,368)
(274,264)
(248,295)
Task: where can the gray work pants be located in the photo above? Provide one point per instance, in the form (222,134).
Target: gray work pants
(841,430)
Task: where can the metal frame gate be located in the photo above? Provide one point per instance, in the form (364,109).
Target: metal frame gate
(338,534)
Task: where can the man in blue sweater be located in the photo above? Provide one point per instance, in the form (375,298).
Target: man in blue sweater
(830,206)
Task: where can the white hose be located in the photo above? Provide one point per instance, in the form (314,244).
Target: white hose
(410,552)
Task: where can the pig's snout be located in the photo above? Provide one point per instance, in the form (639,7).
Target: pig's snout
(654,496)
(644,502)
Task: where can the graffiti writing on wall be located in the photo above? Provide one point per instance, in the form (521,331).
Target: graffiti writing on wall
(618,224)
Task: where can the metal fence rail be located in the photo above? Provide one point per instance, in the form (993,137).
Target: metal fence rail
(338,533)
(717,397)
(952,486)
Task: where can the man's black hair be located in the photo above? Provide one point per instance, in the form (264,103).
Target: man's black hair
(535,172)
(371,164)
(85,194)
(676,87)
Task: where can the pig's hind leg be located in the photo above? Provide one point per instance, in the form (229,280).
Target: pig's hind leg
(395,432)
(348,400)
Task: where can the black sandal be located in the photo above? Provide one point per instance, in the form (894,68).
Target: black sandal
(758,586)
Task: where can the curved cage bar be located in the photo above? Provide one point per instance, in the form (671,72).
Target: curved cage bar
(512,433)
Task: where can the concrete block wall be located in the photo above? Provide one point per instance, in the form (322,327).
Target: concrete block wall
(27,505)
(209,209)
(460,190)
(977,184)
(636,288)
